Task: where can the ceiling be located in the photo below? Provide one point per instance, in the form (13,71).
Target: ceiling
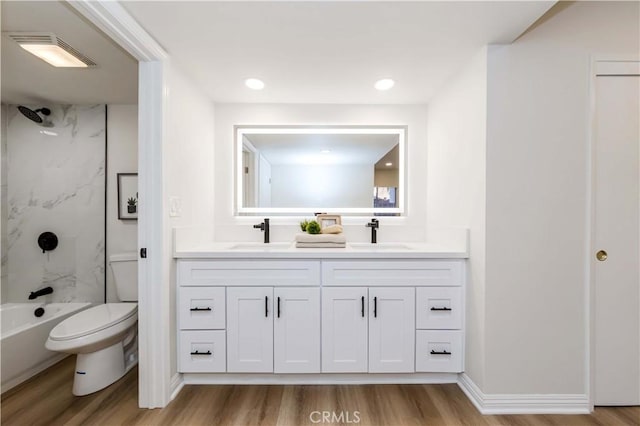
(328,51)
(306,52)
(29,80)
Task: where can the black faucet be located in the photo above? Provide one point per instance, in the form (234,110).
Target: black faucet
(374,225)
(264,226)
(41,292)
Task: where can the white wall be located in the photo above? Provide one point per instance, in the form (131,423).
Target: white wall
(349,185)
(410,228)
(122,157)
(537,196)
(4,276)
(456,185)
(188,173)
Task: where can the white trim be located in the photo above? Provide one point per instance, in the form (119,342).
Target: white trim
(177,383)
(523,403)
(119,25)
(154,379)
(317,379)
(600,66)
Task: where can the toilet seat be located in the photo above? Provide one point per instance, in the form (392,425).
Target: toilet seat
(93,320)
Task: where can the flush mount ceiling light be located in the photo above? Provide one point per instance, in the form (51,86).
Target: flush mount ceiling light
(384,84)
(51,49)
(254,83)
(388,164)
(325,151)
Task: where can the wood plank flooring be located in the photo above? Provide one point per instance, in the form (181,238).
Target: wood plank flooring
(47,400)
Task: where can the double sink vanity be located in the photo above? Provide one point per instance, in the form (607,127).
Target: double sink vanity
(367,313)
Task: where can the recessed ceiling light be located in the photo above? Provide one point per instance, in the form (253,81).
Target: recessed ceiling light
(384,84)
(51,49)
(325,151)
(254,83)
(388,164)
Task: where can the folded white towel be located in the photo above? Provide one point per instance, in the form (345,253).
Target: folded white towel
(321,245)
(320,238)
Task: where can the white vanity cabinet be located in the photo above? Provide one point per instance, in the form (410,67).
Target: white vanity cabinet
(392,330)
(250,329)
(322,319)
(345,329)
(368,329)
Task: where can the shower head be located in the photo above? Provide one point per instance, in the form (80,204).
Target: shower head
(34,115)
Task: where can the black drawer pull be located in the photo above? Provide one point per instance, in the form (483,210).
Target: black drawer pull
(199,309)
(362,309)
(440,309)
(278,306)
(375,307)
(201,353)
(445,352)
(266,306)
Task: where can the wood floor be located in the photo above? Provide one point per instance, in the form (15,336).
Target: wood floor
(47,400)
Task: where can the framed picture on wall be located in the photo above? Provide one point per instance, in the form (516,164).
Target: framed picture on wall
(128,196)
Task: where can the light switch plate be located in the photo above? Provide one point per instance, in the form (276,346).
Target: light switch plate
(175,206)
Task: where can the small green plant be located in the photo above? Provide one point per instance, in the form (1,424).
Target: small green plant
(303,225)
(313,227)
(132,201)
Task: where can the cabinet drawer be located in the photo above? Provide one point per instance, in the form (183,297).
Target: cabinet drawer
(439,351)
(390,273)
(439,308)
(202,352)
(249,273)
(201,308)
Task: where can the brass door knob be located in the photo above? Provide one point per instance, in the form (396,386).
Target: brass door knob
(601,255)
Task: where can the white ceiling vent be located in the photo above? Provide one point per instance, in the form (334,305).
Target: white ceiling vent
(52,49)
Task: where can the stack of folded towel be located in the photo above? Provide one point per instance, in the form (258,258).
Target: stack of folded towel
(304,240)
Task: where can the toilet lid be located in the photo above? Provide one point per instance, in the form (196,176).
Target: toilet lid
(93,320)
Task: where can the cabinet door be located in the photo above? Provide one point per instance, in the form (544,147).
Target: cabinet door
(392,330)
(296,330)
(344,330)
(250,329)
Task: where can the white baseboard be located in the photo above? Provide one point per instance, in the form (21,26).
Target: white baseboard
(523,403)
(176,385)
(316,379)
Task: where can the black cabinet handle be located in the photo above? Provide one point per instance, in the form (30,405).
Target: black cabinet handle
(375,307)
(362,309)
(445,352)
(278,306)
(440,309)
(266,306)
(207,353)
(199,309)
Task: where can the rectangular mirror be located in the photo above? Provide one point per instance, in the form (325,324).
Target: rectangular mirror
(289,170)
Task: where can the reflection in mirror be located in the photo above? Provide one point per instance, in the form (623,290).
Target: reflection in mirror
(293,170)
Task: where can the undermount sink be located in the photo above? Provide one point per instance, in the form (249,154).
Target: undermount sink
(379,246)
(260,246)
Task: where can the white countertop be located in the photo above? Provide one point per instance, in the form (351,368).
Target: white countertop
(351,251)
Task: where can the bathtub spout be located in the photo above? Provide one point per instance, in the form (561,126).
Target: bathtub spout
(41,292)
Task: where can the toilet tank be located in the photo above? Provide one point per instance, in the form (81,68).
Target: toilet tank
(125,274)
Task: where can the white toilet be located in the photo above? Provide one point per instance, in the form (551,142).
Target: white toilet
(105,337)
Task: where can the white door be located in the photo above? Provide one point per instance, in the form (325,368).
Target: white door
(344,330)
(392,328)
(250,329)
(616,252)
(296,330)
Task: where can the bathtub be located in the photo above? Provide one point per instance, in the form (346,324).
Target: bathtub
(23,336)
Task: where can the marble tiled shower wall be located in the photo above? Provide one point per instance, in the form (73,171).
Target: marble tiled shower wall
(54,181)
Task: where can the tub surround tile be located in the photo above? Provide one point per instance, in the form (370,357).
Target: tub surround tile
(56,183)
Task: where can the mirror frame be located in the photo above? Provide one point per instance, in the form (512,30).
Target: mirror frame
(241,130)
